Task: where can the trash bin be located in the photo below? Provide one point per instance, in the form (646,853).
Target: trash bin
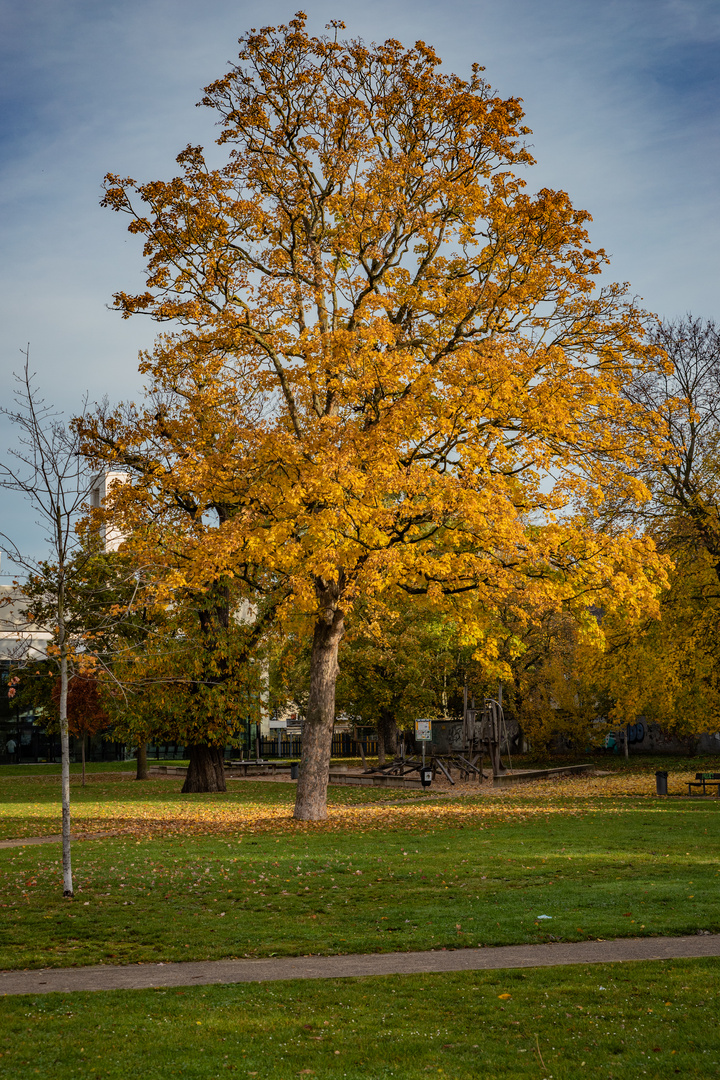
(295,770)
(426,777)
(661,783)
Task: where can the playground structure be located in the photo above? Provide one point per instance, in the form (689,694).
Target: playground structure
(458,745)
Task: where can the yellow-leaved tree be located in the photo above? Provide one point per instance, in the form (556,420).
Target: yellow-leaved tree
(668,669)
(387,366)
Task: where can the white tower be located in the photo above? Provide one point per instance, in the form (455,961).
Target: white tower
(101,485)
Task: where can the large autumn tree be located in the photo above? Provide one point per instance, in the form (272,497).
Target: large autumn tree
(386,365)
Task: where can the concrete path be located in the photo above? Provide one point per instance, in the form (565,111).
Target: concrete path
(203,973)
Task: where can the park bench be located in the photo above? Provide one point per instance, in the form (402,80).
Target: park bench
(703,778)
(254,766)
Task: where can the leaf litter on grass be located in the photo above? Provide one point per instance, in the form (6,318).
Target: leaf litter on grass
(417,873)
(261,808)
(146,818)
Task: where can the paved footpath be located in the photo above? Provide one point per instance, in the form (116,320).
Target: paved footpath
(205,972)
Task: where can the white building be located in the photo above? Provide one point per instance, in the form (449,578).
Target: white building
(20,639)
(101,485)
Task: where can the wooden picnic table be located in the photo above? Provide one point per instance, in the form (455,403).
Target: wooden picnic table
(701,779)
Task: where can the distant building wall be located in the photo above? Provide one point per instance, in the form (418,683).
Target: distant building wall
(98,494)
(20,639)
(246,613)
(650,738)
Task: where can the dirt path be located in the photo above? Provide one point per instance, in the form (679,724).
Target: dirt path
(54,838)
(76,777)
(204,973)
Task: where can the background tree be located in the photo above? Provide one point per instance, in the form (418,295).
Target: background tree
(668,670)
(86,714)
(207,607)
(554,695)
(395,665)
(389,369)
(194,677)
(390,669)
(685,392)
(38,686)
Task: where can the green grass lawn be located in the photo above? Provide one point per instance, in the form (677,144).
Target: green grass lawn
(203,877)
(619,1022)
(30,806)
(212,876)
(53,768)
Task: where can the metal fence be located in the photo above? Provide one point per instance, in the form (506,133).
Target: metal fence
(33,744)
(282,745)
(290,746)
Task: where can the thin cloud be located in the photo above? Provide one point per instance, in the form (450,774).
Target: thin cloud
(622,98)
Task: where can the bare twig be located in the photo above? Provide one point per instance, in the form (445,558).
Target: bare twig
(537,1044)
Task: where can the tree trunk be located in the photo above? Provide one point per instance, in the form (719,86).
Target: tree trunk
(83,760)
(142,765)
(65,762)
(206,771)
(387,735)
(311,796)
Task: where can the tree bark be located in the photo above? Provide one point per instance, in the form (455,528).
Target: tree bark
(206,771)
(83,760)
(64,754)
(311,796)
(142,765)
(387,735)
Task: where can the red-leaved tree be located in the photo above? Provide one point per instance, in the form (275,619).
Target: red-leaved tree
(85,713)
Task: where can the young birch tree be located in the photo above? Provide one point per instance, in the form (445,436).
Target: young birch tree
(388,367)
(48,468)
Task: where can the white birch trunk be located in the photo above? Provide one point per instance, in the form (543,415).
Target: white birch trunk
(65,755)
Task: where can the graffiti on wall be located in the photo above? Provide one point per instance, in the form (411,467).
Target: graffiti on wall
(649,737)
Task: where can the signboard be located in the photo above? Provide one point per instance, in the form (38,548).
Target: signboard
(423,730)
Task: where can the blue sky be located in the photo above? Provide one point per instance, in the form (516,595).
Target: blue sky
(623,99)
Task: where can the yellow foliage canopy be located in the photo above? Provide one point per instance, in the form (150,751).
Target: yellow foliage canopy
(391,368)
